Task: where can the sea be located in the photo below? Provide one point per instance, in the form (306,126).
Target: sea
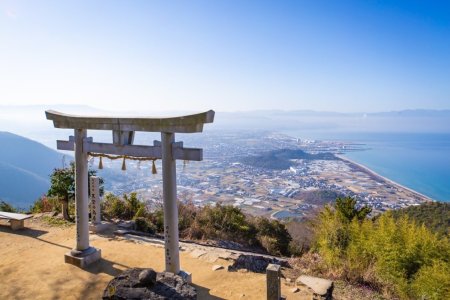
(419,161)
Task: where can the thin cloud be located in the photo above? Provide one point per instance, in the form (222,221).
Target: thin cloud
(11,14)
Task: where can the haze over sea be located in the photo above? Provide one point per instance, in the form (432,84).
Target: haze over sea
(420,161)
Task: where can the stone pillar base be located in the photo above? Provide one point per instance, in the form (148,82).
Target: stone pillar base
(186,276)
(84,258)
(99,227)
(16,224)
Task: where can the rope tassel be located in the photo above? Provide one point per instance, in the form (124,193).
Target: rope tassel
(124,158)
(154,167)
(124,166)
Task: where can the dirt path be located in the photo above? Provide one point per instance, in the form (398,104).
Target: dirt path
(32,267)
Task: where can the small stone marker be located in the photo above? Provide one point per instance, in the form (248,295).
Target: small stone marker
(273,282)
(94,194)
(320,286)
(94,191)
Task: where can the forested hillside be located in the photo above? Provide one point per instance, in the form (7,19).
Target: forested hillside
(434,215)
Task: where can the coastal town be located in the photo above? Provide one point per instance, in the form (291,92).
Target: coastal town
(302,188)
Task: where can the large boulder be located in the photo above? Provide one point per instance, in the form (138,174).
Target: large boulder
(254,263)
(138,283)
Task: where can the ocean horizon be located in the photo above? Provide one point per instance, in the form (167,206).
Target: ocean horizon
(419,161)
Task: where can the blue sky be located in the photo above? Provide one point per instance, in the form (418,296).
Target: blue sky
(347,56)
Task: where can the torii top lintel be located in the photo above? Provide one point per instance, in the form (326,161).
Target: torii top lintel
(181,124)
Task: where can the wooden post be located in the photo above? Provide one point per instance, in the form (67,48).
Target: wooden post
(170,204)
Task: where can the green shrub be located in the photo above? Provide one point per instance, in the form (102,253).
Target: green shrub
(113,207)
(156,218)
(6,207)
(141,213)
(125,208)
(224,222)
(273,236)
(432,282)
(56,222)
(347,211)
(37,206)
(434,215)
(132,205)
(46,204)
(394,255)
(62,187)
(144,225)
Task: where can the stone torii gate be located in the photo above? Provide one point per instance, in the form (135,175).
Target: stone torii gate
(123,131)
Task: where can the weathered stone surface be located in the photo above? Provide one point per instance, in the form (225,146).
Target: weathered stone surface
(138,283)
(320,286)
(210,256)
(84,260)
(273,282)
(182,124)
(197,253)
(217,267)
(254,263)
(130,225)
(187,277)
(147,277)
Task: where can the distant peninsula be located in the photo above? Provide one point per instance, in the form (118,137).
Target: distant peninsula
(281,159)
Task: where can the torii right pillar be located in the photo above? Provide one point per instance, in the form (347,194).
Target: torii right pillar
(169,175)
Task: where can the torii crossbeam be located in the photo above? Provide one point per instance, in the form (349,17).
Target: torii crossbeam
(123,131)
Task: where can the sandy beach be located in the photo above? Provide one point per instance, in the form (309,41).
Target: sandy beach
(382,178)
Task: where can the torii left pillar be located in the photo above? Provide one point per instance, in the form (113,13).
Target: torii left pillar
(171,242)
(83,254)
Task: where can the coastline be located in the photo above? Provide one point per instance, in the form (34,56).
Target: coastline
(383,178)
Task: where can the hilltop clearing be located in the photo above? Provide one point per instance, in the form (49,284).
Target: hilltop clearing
(33,267)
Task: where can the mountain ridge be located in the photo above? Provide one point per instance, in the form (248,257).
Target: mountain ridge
(25,166)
